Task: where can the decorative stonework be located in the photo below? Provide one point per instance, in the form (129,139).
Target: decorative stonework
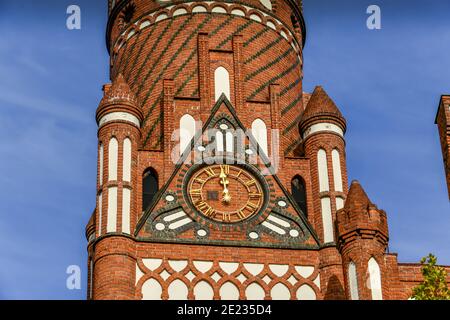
(198,7)
(204,279)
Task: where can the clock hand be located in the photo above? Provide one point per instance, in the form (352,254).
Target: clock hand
(224,181)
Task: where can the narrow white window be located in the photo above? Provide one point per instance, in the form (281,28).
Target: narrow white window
(327,220)
(323,171)
(339,203)
(229,139)
(187,131)
(100,166)
(91,277)
(267,4)
(221,83)
(259,131)
(375,280)
(219,141)
(99,208)
(127,160)
(126,202)
(353,281)
(337,174)
(111,223)
(113,151)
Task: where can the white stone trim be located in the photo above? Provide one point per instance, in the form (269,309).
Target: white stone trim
(323,127)
(111,223)
(121,116)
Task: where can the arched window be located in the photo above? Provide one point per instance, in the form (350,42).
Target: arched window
(100,167)
(229,139)
(149,187)
(219,142)
(267,4)
(337,175)
(221,83)
(353,281)
(259,131)
(323,170)
(126,160)
(113,152)
(299,193)
(187,131)
(375,279)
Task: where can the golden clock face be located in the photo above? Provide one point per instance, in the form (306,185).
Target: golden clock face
(225,193)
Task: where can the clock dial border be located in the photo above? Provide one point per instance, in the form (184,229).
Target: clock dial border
(255,218)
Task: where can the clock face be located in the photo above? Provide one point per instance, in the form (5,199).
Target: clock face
(225,193)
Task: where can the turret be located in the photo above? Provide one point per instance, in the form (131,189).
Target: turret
(119,119)
(322,128)
(362,233)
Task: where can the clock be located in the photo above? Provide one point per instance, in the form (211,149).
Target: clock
(225,193)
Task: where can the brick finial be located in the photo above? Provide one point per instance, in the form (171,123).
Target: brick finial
(118,97)
(360,219)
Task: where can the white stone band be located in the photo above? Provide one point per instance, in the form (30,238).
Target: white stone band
(123,116)
(319,127)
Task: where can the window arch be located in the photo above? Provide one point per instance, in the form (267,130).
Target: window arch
(113,154)
(219,142)
(126,160)
(375,279)
(229,141)
(259,131)
(353,281)
(298,189)
(100,167)
(221,83)
(187,131)
(323,170)
(149,187)
(337,174)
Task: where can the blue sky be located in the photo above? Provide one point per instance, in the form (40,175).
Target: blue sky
(386,82)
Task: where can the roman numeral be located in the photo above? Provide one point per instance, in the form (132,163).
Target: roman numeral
(254,195)
(210,212)
(225,168)
(250,183)
(241,214)
(210,172)
(195,192)
(251,206)
(205,209)
(201,181)
(226,217)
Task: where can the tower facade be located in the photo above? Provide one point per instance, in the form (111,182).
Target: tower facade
(218,177)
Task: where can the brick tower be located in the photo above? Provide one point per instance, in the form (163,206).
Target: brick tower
(218,178)
(362,241)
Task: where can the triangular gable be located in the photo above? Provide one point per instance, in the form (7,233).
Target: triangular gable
(298,217)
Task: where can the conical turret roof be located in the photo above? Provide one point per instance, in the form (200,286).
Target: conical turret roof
(320,106)
(357,199)
(118,92)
